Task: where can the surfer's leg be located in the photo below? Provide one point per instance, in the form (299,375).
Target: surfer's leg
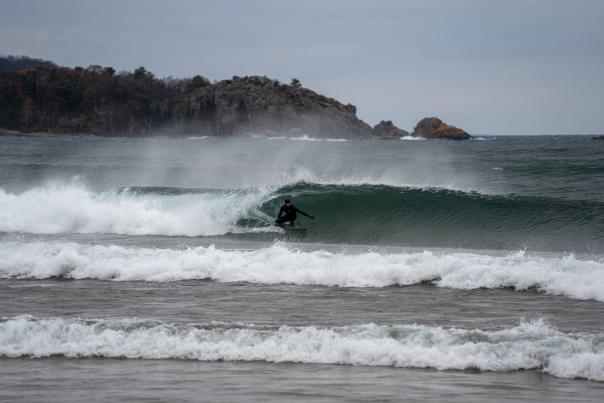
(288,218)
(291,218)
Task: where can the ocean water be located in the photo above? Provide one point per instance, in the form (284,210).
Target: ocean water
(149,269)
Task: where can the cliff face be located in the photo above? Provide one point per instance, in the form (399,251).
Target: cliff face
(255,103)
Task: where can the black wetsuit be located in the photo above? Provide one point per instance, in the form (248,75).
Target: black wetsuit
(289,214)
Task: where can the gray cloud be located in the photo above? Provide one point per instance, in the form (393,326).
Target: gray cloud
(519,66)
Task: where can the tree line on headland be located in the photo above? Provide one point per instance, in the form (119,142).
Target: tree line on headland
(38,96)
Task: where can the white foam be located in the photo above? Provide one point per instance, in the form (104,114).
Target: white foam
(531,345)
(197,138)
(412,138)
(75,209)
(305,137)
(280,263)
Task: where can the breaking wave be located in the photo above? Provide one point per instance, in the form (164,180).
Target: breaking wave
(280,263)
(132,211)
(360,213)
(530,345)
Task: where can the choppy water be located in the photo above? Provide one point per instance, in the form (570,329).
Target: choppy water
(443,270)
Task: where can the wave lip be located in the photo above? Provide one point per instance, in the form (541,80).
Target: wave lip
(131,211)
(280,263)
(530,345)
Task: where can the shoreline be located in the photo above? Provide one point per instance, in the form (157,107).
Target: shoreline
(272,135)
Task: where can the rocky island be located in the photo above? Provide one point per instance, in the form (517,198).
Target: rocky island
(434,128)
(37,96)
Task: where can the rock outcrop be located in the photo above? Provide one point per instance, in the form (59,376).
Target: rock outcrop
(597,138)
(434,128)
(254,103)
(387,130)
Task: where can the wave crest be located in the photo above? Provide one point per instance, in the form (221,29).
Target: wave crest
(132,211)
(362,214)
(581,279)
(530,345)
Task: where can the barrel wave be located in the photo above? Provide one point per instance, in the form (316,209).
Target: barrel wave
(447,218)
(369,214)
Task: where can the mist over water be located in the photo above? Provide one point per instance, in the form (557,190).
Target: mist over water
(237,163)
(547,166)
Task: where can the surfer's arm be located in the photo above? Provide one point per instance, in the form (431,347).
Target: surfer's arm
(303,213)
(280,212)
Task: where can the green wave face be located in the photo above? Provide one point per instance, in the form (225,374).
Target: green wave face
(403,216)
(375,214)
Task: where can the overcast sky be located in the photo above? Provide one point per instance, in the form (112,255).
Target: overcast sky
(490,67)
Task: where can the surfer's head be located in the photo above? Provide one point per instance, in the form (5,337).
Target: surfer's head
(287,201)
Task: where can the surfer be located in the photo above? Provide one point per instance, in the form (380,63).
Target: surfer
(288,213)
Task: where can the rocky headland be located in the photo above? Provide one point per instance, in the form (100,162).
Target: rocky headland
(37,96)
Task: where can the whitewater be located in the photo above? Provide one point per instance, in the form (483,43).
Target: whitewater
(283,263)
(533,345)
(74,208)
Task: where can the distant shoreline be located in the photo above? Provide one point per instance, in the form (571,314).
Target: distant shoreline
(39,96)
(272,136)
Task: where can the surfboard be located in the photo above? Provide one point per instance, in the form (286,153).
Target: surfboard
(290,227)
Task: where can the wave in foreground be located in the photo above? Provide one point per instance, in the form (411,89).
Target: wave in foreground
(530,345)
(567,276)
(364,214)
